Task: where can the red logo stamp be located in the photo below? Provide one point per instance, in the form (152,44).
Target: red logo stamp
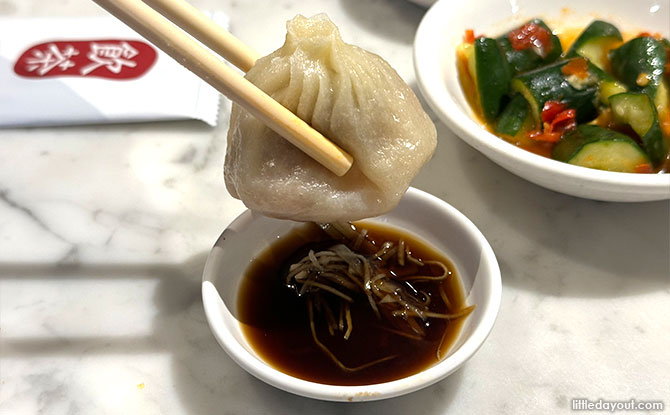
(114,59)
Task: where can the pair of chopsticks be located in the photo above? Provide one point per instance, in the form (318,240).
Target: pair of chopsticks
(155,20)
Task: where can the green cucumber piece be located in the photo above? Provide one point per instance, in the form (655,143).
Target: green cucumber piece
(594,41)
(469,53)
(634,109)
(608,85)
(525,60)
(492,74)
(662,97)
(637,110)
(550,84)
(609,88)
(513,116)
(599,148)
(666,45)
(642,56)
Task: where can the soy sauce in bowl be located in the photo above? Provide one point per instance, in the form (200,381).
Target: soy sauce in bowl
(380,347)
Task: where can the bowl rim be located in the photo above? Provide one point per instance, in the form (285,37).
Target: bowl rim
(426,54)
(212,304)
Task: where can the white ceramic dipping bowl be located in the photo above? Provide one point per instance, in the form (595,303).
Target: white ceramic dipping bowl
(435,221)
(441,31)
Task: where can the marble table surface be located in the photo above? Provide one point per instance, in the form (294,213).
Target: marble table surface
(104,232)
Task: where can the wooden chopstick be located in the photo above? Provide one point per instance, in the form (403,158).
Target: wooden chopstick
(212,35)
(196,58)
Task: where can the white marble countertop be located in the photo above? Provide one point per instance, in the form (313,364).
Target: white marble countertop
(104,232)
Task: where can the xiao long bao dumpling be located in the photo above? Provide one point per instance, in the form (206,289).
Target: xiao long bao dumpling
(351,96)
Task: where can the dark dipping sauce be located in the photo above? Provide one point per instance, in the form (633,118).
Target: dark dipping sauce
(276,323)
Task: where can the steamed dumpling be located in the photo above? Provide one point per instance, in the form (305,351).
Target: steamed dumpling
(351,96)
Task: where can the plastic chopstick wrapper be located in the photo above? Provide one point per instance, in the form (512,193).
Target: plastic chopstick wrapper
(89,70)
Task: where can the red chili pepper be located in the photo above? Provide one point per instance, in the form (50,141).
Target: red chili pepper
(531,35)
(556,119)
(643,168)
(577,66)
(546,136)
(656,35)
(469,36)
(551,110)
(564,121)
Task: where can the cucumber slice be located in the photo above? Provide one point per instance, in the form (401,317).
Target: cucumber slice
(609,88)
(492,74)
(608,85)
(525,60)
(634,109)
(625,157)
(637,110)
(599,148)
(513,116)
(594,43)
(666,45)
(662,97)
(639,64)
(469,53)
(550,84)
(467,75)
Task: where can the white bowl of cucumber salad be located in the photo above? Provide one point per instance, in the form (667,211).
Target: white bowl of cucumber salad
(441,32)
